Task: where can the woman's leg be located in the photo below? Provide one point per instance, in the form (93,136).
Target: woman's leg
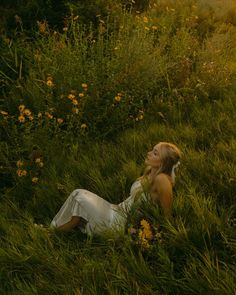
(67,227)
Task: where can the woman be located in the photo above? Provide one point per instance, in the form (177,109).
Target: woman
(94,215)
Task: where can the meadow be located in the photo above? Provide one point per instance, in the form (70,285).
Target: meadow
(80,107)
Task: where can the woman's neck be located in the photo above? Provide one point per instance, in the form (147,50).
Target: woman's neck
(152,174)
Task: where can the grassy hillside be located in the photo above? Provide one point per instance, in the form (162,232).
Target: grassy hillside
(80,107)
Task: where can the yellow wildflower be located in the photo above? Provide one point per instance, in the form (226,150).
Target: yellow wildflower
(147,232)
(19,163)
(31,118)
(37,160)
(75,102)
(83,126)
(81,94)
(146,28)
(41,164)
(71,96)
(145,19)
(50,116)
(145,244)
(154,28)
(27,112)
(21,173)
(60,120)
(49,82)
(75,110)
(21,119)
(84,85)
(144,223)
(140,117)
(35,179)
(118,97)
(42,26)
(4,113)
(24,173)
(21,108)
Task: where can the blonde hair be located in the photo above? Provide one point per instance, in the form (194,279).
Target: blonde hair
(170,156)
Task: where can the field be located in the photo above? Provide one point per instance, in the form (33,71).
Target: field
(81,103)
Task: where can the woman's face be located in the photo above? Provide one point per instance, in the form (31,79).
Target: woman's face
(153,158)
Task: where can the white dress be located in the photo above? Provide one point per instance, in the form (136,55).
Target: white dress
(101,215)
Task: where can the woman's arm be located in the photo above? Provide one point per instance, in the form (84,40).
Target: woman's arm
(162,193)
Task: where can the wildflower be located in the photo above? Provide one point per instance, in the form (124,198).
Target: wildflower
(19,163)
(35,179)
(118,97)
(21,119)
(4,113)
(75,102)
(37,160)
(140,117)
(81,94)
(147,28)
(18,19)
(83,126)
(76,17)
(40,115)
(71,96)
(60,121)
(147,232)
(27,112)
(154,28)
(50,116)
(21,108)
(145,19)
(41,164)
(65,29)
(49,82)
(145,244)
(21,173)
(84,85)
(42,26)
(75,110)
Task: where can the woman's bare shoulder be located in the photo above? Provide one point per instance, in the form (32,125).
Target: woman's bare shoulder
(162,188)
(163,180)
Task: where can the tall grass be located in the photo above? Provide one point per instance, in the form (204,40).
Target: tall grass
(97,101)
